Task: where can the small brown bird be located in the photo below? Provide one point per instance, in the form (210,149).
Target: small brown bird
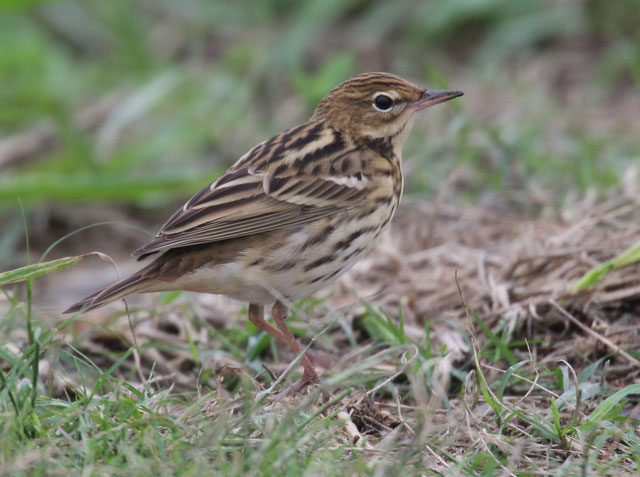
(294,213)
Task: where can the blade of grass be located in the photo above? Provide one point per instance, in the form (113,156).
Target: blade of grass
(29,272)
(497,342)
(602,410)
(596,274)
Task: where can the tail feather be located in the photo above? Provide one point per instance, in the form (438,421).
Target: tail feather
(132,284)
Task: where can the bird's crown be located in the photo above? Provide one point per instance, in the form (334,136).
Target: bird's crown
(376,104)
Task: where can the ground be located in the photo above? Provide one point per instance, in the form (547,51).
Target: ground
(492,331)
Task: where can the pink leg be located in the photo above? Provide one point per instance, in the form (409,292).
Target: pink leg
(256,316)
(279,312)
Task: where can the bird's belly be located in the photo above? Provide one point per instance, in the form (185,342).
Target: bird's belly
(310,258)
(231,279)
(292,264)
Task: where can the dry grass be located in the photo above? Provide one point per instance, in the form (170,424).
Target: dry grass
(515,273)
(508,378)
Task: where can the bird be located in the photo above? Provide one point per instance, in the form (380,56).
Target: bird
(294,213)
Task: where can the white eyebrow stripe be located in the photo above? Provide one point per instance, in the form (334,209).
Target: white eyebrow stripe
(392,94)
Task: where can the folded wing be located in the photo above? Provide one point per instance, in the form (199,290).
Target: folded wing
(257,196)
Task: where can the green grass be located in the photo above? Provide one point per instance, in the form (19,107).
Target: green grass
(477,417)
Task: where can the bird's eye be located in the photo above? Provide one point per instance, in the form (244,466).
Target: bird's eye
(382,102)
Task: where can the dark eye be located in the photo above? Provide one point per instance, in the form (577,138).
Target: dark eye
(382,102)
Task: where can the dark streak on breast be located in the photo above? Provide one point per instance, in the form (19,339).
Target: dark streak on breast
(380,145)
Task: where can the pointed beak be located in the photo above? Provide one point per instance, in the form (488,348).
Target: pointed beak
(431,98)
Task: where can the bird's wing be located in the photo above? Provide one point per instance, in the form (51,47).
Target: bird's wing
(266,190)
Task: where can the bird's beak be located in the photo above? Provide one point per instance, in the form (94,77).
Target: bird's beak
(431,98)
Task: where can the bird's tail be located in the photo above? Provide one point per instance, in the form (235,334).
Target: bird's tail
(132,284)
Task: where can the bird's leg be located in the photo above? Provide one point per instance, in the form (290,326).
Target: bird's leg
(256,316)
(279,312)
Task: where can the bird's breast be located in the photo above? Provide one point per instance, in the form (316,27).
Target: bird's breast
(297,262)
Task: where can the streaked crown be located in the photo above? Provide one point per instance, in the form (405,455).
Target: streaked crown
(370,104)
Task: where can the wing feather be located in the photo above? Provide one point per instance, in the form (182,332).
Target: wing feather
(246,201)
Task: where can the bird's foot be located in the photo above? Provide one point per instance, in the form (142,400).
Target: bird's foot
(306,379)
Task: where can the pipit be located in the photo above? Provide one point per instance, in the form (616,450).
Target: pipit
(294,213)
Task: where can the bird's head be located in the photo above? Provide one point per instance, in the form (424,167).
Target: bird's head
(377,105)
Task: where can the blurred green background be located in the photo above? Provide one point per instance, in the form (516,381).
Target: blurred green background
(120,110)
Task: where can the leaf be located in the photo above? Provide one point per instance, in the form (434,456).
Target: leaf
(542,425)
(602,409)
(628,257)
(596,274)
(33,271)
(494,339)
(36,270)
(593,276)
(507,375)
